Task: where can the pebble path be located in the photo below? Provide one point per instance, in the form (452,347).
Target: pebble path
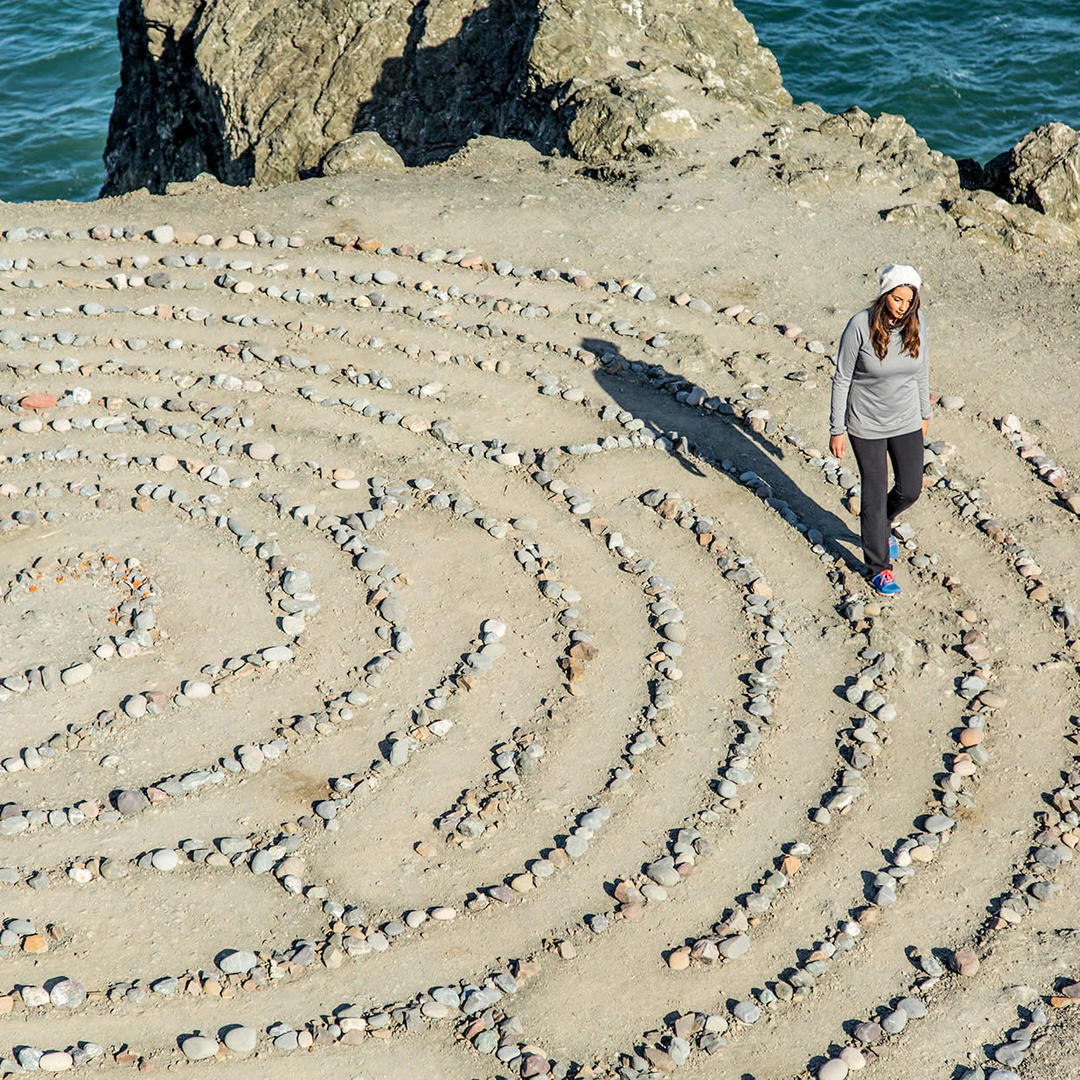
(293,409)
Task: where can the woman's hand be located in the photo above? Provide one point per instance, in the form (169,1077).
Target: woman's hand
(925,425)
(838,444)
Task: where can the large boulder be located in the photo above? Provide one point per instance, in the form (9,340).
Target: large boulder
(1041,171)
(254,90)
(359,151)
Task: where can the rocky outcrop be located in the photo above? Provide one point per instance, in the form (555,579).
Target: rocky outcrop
(1041,171)
(810,148)
(251,90)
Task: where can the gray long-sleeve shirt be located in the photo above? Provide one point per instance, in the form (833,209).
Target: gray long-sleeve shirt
(876,399)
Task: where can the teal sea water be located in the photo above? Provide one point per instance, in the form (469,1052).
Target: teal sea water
(972,78)
(59,69)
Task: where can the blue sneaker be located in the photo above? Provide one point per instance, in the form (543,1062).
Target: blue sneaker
(894,549)
(884,584)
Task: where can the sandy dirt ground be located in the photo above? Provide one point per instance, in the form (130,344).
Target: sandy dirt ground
(466,671)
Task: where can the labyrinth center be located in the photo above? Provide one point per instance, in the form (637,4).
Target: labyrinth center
(410,652)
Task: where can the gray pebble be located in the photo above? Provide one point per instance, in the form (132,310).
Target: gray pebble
(67,994)
(576,846)
(663,872)
(1011,1054)
(868,1032)
(198,1047)
(747,1012)
(894,1022)
(241,1039)
(913,1007)
(236,961)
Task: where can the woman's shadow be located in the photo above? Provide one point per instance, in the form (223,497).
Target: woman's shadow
(702,436)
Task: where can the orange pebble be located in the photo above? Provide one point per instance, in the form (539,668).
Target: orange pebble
(38,401)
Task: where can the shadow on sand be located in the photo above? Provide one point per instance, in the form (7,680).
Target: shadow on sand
(700,439)
(430,101)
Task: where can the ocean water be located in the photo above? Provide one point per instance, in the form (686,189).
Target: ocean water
(972,78)
(59,69)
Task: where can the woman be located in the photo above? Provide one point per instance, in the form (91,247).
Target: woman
(881,402)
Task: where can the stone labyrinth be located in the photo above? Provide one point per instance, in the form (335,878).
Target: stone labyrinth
(403,652)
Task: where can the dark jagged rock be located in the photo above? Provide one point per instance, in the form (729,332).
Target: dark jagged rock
(1041,171)
(256,91)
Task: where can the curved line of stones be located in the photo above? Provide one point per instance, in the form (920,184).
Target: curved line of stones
(593,819)
(326,807)
(1028,449)
(121,423)
(346,1021)
(286,361)
(165,234)
(1009,1054)
(458,257)
(1047,469)
(138,596)
(731,933)
(484,805)
(633,892)
(440,430)
(687,840)
(575,843)
(707,1031)
(1051,844)
(250,238)
(1033,884)
(735,311)
(136,705)
(588,824)
(1011,1051)
(262,860)
(730,938)
(966,497)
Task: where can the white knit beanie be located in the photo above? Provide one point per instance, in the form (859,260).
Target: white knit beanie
(895,275)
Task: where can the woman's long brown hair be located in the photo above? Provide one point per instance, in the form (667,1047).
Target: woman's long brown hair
(881,326)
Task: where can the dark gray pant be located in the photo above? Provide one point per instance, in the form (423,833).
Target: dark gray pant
(880,506)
